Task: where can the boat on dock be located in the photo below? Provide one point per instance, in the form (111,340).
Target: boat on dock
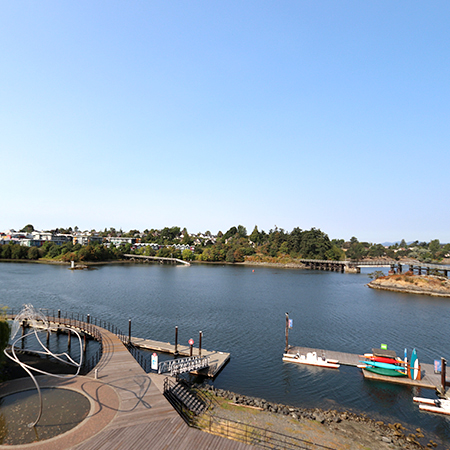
(311,359)
(385,372)
(439,406)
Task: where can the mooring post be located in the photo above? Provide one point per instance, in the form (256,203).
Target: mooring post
(443,377)
(129,331)
(68,339)
(200,343)
(59,319)
(191,346)
(287,332)
(176,341)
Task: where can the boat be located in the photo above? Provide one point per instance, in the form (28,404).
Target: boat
(311,359)
(383,365)
(414,366)
(385,372)
(439,406)
(383,359)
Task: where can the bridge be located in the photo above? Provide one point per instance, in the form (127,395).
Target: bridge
(395,266)
(160,259)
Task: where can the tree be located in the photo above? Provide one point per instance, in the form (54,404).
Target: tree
(242,231)
(33,253)
(434,247)
(28,228)
(230,233)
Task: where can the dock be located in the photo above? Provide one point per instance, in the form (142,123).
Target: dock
(429,380)
(218,360)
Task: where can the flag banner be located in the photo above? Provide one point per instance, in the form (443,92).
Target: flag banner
(437,366)
(383,346)
(291,323)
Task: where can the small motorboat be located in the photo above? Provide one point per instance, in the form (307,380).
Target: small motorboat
(311,359)
(439,406)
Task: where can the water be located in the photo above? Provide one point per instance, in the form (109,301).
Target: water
(243,312)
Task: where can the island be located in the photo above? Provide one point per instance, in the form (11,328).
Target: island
(433,285)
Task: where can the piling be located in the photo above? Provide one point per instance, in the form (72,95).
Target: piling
(200,343)
(176,341)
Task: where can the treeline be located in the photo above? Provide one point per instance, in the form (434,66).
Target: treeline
(235,245)
(66,252)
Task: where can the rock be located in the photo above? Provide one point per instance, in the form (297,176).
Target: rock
(386,439)
(319,417)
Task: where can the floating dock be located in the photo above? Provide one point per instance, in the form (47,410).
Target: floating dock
(430,380)
(218,360)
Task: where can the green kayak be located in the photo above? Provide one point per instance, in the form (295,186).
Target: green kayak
(386,372)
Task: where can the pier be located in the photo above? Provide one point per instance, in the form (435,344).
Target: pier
(395,266)
(429,379)
(217,360)
(128,408)
(159,259)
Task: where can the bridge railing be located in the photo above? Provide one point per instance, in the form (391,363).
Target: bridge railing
(88,325)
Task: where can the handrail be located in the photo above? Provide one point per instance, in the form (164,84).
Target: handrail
(88,324)
(232,429)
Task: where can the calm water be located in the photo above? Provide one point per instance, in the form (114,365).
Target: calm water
(243,312)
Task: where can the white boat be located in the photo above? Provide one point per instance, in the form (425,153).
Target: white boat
(439,406)
(311,359)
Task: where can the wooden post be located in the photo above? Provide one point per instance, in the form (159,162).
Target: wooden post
(68,339)
(287,333)
(200,343)
(129,330)
(59,319)
(190,349)
(176,341)
(443,381)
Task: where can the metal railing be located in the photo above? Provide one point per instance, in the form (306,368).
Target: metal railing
(88,324)
(182,365)
(231,429)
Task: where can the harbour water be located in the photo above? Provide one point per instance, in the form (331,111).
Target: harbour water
(241,310)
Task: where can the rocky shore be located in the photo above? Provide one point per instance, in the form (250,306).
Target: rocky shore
(436,286)
(332,428)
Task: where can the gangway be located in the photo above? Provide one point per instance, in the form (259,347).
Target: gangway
(182,365)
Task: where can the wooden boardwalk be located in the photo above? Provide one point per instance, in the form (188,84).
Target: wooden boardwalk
(217,359)
(128,409)
(430,380)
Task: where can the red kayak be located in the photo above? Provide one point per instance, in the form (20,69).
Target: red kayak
(385,359)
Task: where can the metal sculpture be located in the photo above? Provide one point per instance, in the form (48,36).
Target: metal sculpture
(32,316)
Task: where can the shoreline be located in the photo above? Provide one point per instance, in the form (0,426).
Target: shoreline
(324,427)
(434,286)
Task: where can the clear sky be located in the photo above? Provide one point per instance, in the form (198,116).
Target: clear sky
(210,114)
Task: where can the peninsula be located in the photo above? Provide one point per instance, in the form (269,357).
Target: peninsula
(436,286)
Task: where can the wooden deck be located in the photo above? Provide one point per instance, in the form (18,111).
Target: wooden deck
(217,359)
(430,380)
(128,409)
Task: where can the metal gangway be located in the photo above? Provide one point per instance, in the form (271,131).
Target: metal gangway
(182,365)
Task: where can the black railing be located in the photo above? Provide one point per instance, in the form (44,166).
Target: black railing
(231,429)
(138,356)
(88,324)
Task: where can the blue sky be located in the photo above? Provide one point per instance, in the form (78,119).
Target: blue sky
(206,115)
